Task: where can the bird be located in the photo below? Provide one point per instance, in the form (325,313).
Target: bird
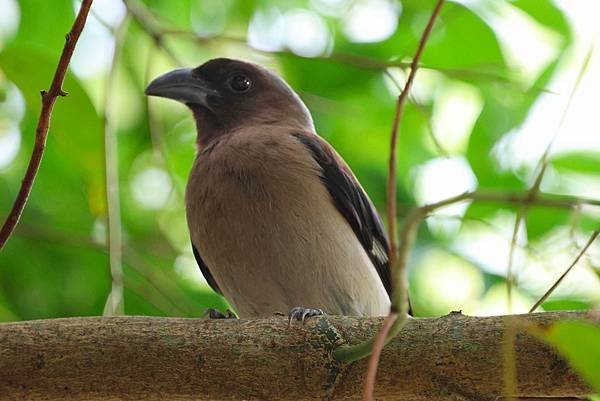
(277,219)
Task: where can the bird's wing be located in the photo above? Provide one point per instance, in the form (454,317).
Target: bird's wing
(205,272)
(352,202)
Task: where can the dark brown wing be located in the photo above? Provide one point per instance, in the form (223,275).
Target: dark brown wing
(205,272)
(353,203)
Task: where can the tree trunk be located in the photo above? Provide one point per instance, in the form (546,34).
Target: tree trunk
(455,357)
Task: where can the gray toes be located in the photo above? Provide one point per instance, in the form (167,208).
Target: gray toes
(213,313)
(300,314)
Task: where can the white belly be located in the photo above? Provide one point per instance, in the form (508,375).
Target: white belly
(271,236)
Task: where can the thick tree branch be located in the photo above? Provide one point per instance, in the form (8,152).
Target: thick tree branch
(450,358)
(41,132)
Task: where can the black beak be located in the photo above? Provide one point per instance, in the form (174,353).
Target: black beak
(183,86)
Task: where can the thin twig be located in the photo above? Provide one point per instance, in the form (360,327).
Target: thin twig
(146,20)
(350,59)
(149,23)
(391,183)
(584,66)
(550,200)
(423,111)
(520,218)
(369,389)
(399,307)
(511,255)
(41,131)
(115,302)
(157,136)
(561,278)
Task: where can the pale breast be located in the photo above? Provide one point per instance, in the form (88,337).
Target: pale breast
(269,233)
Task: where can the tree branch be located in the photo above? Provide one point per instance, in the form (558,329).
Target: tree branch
(450,358)
(41,131)
(409,231)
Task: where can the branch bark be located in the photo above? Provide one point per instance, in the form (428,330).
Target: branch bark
(455,357)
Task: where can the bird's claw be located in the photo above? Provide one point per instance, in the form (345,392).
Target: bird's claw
(212,313)
(300,314)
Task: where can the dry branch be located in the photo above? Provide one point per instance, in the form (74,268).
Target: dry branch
(450,358)
(41,132)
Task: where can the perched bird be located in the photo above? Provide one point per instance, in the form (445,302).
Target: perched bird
(277,219)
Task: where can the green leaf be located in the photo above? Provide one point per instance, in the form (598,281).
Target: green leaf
(44,24)
(462,39)
(579,343)
(505,108)
(585,162)
(541,220)
(566,304)
(485,210)
(547,13)
(75,125)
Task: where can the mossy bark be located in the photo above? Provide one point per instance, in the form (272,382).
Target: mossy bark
(454,357)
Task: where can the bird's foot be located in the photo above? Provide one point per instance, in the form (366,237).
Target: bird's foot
(300,314)
(212,313)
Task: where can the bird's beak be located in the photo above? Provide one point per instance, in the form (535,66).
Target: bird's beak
(183,86)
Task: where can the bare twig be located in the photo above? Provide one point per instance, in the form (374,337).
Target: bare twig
(115,302)
(157,31)
(549,200)
(399,308)
(354,60)
(423,111)
(391,184)
(157,136)
(374,360)
(584,66)
(519,218)
(146,20)
(41,131)
(561,278)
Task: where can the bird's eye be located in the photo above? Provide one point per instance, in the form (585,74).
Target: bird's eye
(240,83)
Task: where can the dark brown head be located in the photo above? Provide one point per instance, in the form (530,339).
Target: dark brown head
(227,94)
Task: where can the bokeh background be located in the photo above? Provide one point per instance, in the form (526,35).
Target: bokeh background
(501,80)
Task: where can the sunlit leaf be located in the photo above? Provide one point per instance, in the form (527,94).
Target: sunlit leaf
(579,342)
(75,126)
(580,162)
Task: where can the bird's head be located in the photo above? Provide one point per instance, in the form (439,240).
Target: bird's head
(226,95)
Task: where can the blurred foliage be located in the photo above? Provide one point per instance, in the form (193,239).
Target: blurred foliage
(56,264)
(568,337)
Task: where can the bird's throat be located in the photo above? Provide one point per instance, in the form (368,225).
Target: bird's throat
(208,128)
